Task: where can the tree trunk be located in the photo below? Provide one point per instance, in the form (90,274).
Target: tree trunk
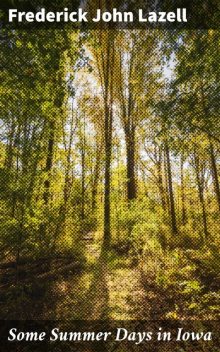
(183,196)
(96,180)
(167,199)
(171,193)
(160,181)
(83,187)
(10,147)
(108,154)
(215,174)
(212,154)
(201,194)
(130,148)
(49,162)
(108,125)
(48,168)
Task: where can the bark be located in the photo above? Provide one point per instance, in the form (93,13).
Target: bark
(8,163)
(127,108)
(160,181)
(108,103)
(67,183)
(200,186)
(171,193)
(49,161)
(212,154)
(130,148)
(215,175)
(183,196)
(166,182)
(83,181)
(108,154)
(97,171)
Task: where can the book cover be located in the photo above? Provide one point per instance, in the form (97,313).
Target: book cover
(109,176)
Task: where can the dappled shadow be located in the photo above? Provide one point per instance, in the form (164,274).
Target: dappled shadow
(27,290)
(96,300)
(83,295)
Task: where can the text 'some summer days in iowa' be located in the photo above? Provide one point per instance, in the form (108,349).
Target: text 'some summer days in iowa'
(120,335)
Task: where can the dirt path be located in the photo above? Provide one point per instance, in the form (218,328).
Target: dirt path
(110,287)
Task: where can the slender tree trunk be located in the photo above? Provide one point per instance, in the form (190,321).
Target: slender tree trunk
(96,180)
(171,193)
(49,162)
(108,101)
(83,168)
(215,174)
(108,154)
(183,196)
(212,154)
(201,194)
(83,187)
(10,148)
(130,147)
(160,181)
(61,223)
(167,199)
(48,168)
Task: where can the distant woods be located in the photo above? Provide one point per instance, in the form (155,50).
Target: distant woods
(114,132)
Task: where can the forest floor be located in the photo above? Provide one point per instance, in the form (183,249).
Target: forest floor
(108,286)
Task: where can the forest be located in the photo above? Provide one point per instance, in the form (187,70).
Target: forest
(109,174)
